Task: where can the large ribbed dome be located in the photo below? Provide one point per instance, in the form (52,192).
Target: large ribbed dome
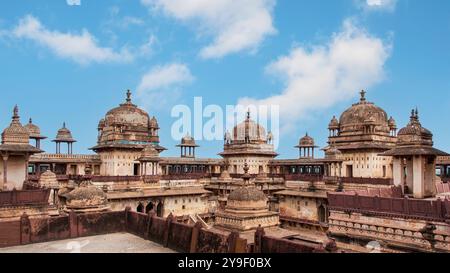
(127,125)
(249,131)
(363,113)
(128,114)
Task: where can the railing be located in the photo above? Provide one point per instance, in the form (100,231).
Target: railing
(370,181)
(21,198)
(187,176)
(65,156)
(393,207)
(303,177)
(116,179)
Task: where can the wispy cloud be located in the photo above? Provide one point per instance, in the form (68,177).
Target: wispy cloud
(324,75)
(234,26)
(377,5)
(81,48)
(162,84)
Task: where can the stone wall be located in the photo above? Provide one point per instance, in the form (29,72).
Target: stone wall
(43,229)
(391,234)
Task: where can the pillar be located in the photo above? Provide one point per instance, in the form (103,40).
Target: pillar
(397,171)
(410,174)
(418,181)
(5,172)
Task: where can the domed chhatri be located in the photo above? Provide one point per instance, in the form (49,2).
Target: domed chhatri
(414,133)
(306,146)
(35,133)
(246,209)
(414,159)
(86,199)
(187,146)
(413,139)
(15,133)
(64,135)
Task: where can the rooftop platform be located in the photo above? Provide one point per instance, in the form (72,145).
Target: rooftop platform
(110,243)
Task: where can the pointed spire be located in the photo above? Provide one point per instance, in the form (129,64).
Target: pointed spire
(30,121)
(417,112)
(248,114)
(64,125)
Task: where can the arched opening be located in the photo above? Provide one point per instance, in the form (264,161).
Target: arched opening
(149,207)
(140,208)
(159,210)
(322,214)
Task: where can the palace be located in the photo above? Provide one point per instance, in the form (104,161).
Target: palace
(373,185)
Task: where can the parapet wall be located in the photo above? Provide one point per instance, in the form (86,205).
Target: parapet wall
(168,232)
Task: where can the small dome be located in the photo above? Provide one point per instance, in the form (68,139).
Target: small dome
(101,124)
(249,193)
(149,152)
(48,180)
(333,153)
(86,197)
(306,141)
(188,140)
(15,133)
(154,123)
(392,123)
(64,135)
(33,130)
(334,124)
(414,133)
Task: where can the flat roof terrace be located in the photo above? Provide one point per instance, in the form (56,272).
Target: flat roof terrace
(109,243)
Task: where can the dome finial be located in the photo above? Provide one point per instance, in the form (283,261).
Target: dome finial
(363,95)
(128,96)
(248,114)
(16,112)
(30,121)
(417,112)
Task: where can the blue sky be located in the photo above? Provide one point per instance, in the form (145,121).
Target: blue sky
(73,63)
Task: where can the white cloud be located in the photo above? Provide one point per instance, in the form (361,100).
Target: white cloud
(377,5)
(81,48)
(73,2)
(162,84)
(324,75)
(235,26)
